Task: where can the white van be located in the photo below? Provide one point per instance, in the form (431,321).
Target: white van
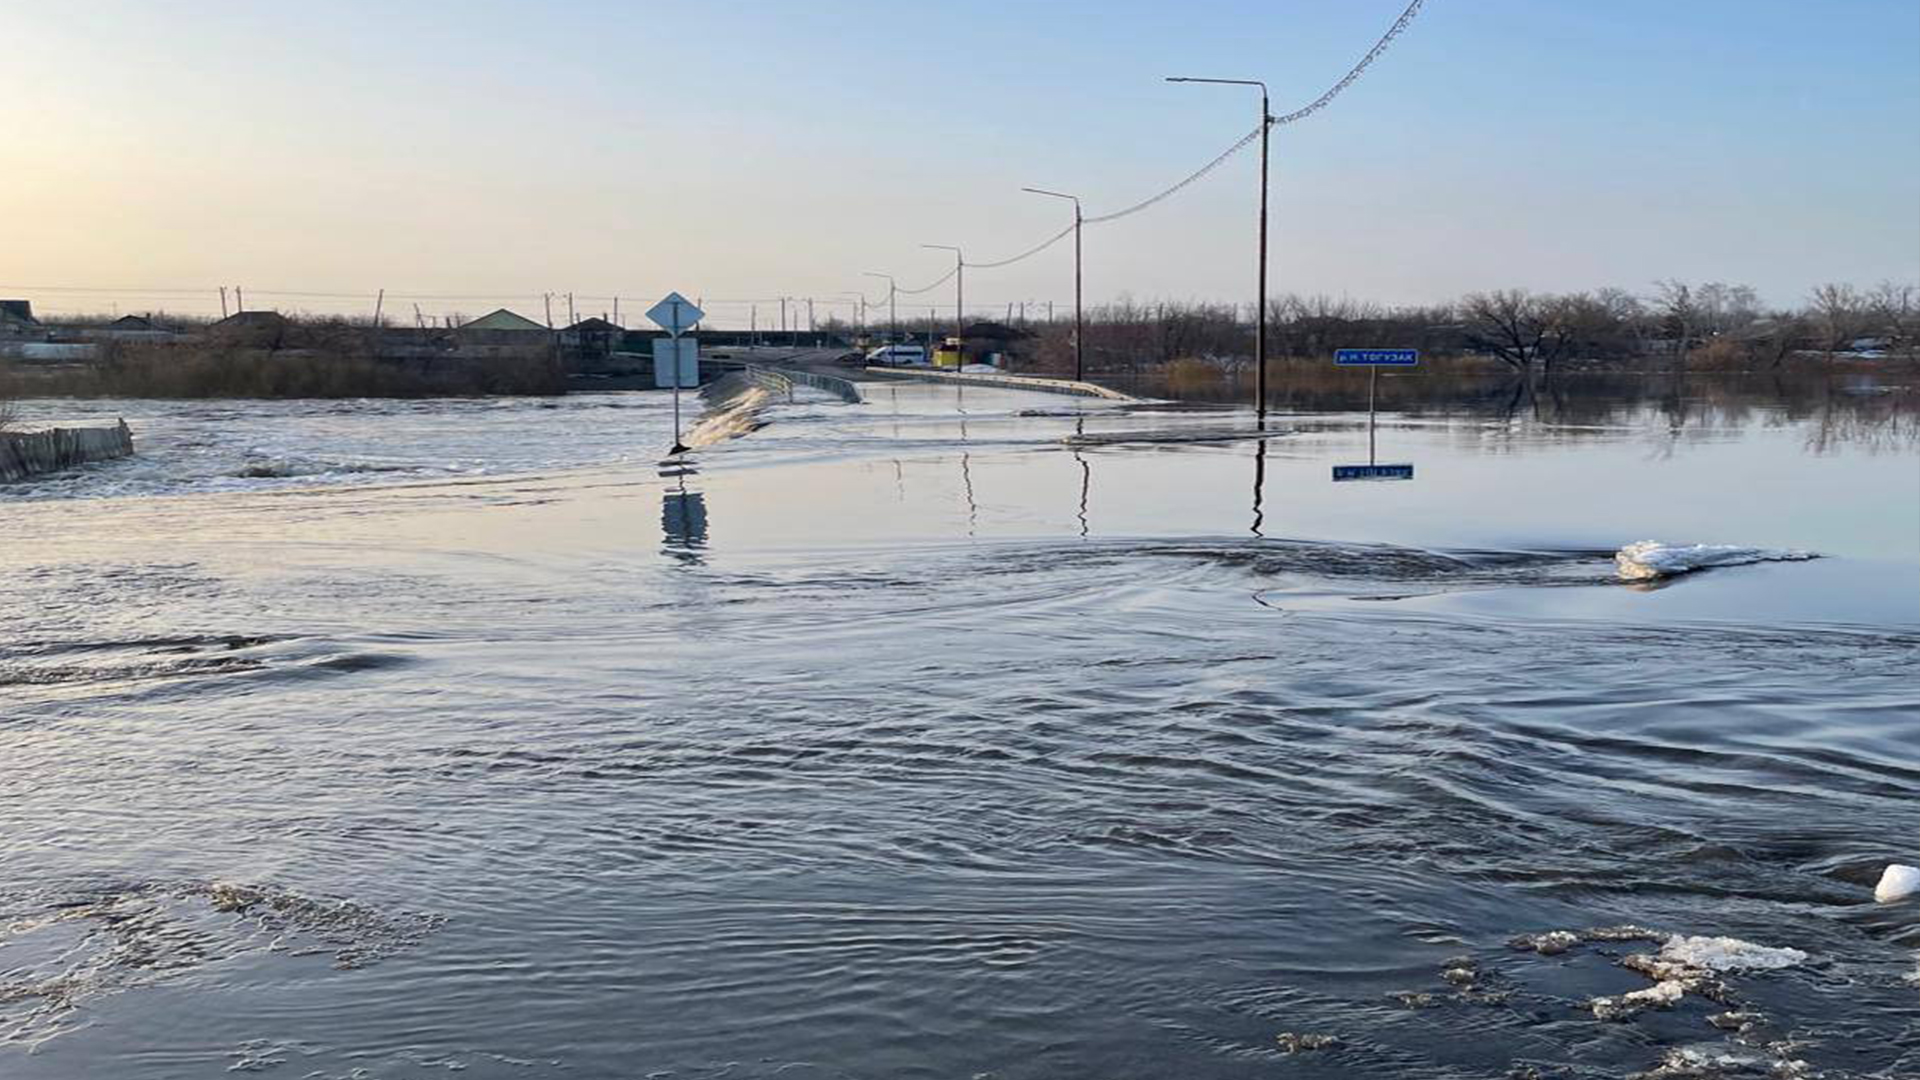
(898,356)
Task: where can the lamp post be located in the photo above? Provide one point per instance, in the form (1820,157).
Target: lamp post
(1079,318)
(893,317)
(1260,320)
(959,304)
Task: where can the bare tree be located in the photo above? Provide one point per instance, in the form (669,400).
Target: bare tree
(1839,315)
(1520,328)
(1679,312)
(1895,313)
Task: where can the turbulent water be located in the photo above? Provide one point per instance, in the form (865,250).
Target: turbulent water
(932,738)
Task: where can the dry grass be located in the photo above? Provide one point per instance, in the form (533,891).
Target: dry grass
(180,371)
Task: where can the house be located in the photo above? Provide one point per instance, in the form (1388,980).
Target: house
(17,321)
(253,330)
(127,328)
(591,338)
(502,333)
(995,343)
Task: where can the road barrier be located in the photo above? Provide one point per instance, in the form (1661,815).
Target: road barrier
(782,381)
(1006,382)
(30,453)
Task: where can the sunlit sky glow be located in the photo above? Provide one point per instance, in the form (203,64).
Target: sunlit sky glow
(480,154)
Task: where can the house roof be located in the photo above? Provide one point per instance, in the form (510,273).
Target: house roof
(502,319)
(18,311)
(594,325)
(250,320)
(132,322)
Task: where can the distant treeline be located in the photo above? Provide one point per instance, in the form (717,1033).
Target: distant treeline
(1711,326)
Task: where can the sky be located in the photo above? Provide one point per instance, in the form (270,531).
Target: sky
(466,156)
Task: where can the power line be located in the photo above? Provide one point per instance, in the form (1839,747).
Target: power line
(1321,102)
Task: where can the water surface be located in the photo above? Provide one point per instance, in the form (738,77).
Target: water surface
(934,738)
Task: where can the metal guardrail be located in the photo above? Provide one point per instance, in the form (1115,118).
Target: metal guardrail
(1008,382)
(782,381)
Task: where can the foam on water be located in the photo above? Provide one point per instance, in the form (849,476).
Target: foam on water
(1645,560)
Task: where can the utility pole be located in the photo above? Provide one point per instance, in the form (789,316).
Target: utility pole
(239,300)
(959,304)
(1260,317)
(893,313)
(570,317)
(223,301)
(548,298)
(378,301)
(616,311)
(1079,315)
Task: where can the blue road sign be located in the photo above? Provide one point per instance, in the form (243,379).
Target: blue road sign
(1372,472)
(1376,357)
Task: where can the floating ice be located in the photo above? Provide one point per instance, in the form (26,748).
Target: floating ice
(1645,560)
(1661,995)
(1727,954)
(1897,882)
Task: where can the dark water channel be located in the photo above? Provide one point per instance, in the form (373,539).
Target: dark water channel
(963,735)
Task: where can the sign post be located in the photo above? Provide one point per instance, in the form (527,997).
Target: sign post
(676,315)
(1373,360)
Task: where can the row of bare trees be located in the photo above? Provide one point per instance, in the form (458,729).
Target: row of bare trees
(1712,325)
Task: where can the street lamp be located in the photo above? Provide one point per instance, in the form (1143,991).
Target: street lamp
(959,304)
(893,318)
(1079,319)
(1260,323)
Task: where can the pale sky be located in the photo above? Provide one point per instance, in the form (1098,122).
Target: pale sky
(471,155)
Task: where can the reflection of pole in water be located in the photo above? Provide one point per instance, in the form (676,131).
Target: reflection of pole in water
(1086,473)
(683,523)
(1373,380)
(966,478)
(1259,484)
(1086,484)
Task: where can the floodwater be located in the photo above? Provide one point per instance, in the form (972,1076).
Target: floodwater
(964,734)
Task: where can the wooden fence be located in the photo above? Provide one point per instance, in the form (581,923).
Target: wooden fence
(24,454)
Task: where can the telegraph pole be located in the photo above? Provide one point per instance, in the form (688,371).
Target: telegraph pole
(1260,317)
(893,314)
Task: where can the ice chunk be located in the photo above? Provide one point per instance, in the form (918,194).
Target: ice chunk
(1727,954)
(1645,560)
(1897,882)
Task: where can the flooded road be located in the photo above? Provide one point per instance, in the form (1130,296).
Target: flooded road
(961,734)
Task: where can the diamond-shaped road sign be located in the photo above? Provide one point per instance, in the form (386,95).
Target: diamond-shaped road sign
(676,314)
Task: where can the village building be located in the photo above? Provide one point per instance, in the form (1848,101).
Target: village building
(502,333)
(17,321)
(253,330)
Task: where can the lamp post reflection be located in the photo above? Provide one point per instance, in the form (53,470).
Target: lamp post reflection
(1259,485)
(1086,475)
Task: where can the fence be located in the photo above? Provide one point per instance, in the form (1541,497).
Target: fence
(31,453)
